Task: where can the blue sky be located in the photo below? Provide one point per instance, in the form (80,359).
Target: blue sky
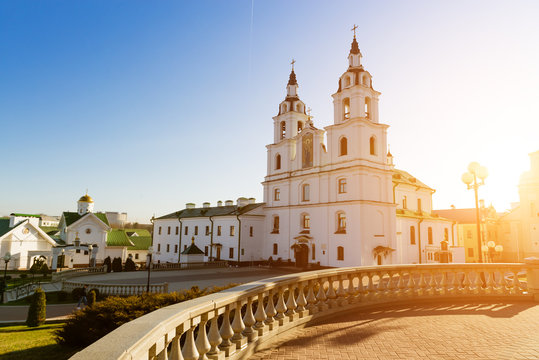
(151,105)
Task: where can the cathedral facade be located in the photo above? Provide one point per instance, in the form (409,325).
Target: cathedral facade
(340,203)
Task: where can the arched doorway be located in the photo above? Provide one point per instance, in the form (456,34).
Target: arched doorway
(301,254)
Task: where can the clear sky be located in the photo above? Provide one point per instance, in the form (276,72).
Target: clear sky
(152,104)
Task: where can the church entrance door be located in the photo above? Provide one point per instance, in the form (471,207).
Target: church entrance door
(301,253)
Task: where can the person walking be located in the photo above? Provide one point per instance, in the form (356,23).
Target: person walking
(83,296)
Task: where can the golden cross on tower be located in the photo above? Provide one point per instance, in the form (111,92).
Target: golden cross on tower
(354,30)
(293,62)
(309,112)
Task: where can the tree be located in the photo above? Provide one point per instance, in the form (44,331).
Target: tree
(117,265)
(91,297)
(130,265)
(108,264)
(37,310)
(37,266)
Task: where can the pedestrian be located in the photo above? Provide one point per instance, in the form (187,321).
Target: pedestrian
(83,296)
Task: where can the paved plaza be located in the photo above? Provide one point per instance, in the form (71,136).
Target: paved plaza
(441,331)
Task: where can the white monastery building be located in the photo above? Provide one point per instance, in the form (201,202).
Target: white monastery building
(340,203)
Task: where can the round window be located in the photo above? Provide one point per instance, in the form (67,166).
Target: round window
(25,231)
(88,231)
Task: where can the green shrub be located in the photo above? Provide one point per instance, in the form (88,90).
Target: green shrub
(108,263)
(62,295)
(23,276)
(97,294)
(37,310)
(44,270)
(8,277)
(77,293)
(93,322)
(130,265)
(91,297)
(117,265)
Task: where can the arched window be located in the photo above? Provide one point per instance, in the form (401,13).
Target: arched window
(340,253)
(305,193)
(276,194)
(298,108)
(343,146)
(283,129)
(342,186)
(347,81)
(300,126)
(341,223)
(365,80)
(346,108)
(372,144)
(305,221)
(275,249)
(275,225)
(285,108)
(412,235)
(430,235)
(368,107)
(277,162)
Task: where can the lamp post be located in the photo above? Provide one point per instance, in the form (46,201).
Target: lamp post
(6,258)
(90,248)
(63,257)
(492,250)
(470,178)
(150,252)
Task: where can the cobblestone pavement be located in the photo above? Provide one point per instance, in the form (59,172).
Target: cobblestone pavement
(442,331)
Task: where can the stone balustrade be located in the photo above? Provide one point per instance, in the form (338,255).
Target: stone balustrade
(184,266)
(232,324)
(116,289)
(62,274)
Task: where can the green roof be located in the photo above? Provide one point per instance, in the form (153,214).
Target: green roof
(71,217)
(140,242)
(139,232)
(4,226)
(50,230)
(192,250)
(211,211)
(118,237)
(26,215)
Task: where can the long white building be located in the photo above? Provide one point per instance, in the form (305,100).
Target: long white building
(340,203)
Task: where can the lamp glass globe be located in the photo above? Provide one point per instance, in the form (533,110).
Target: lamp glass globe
(467,178)
(482,172)
(484,248)
(491,244)
(499,248)
(473,167)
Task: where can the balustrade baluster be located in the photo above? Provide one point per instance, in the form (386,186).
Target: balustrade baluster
(444,284)
(352,291)
(301,301)
(370,287)
(421,287)
(202,343)
(516,283)
(270,311)
(506,288)
(238,326)
(260,315)
(281,307)
(311,299)
(321,296)
(433,287)
(331,295)
(189,350)
(176,351)
(491,283)
(390,287)
(215,338)
(163,355)
(456,284)
(226,333)
(341,293)
(291,304)
(361,291)
(467,287)
(410,286)
(249,320)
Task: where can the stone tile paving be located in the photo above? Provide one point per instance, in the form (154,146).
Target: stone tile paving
(443,331)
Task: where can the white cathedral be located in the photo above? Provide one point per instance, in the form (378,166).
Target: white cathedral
(337,204)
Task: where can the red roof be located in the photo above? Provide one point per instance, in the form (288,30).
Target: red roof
(463,216)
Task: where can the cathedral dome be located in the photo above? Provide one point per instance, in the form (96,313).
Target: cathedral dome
(86,198)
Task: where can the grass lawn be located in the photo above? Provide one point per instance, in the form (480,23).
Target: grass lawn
(22,342)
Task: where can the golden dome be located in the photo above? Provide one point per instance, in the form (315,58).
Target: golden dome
(86,198)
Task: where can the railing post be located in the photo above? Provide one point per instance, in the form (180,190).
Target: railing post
(260,315)
(291,304)
(189,350)
(532,275)
(301,301)
(281,307)
(226,333)
(215,339)
(249,320)
(270,311)
(332,296)
(238,326)
(202,343)
(321,296)
(311,299)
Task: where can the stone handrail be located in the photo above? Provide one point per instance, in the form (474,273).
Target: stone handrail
(20,291)
(182,266)
(116,289)
(78,272)
(242,318)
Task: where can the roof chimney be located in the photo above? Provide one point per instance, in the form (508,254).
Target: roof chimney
(206,205)
(190,206)
(219,203)
(242,201)
(229,203)
(252,200)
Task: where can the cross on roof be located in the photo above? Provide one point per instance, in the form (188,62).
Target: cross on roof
(309,112)
(292,63)
(354,30)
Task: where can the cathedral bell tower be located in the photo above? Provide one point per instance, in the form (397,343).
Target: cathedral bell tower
(292,117)
(355,98)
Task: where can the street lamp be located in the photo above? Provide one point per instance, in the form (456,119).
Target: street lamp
(90,247)
(150,252)
(6,258)
(470,178)
(492,250)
